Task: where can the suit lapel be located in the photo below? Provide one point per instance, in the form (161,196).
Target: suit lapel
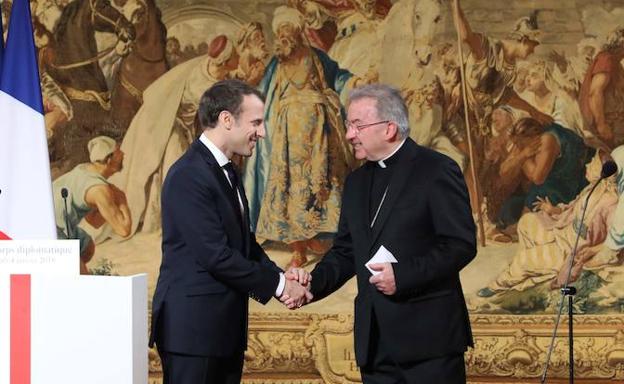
(246,226)
(365,196)
(224,184)
(214,167)
(397,182)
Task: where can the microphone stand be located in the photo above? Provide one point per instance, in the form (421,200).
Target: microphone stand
(569,292)
(67,229)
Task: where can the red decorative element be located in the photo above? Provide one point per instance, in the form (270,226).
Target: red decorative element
(20,329)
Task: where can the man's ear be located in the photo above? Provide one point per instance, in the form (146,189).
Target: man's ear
(392,131)
(226,119)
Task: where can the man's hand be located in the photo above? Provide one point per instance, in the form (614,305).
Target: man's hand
(544,204)
(295,295)
(384,281)
(520,153)
(298,274)
(582,256)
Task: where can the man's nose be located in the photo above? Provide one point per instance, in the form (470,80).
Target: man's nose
(350,132)
(261,131)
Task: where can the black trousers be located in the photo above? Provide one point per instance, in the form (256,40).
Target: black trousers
(382,369)
(189,369)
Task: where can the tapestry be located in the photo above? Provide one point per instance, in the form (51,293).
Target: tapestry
(530,105)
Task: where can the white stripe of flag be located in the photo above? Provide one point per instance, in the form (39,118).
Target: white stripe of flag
(26,207)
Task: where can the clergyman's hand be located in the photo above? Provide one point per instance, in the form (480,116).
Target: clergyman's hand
(295,295)
(298,274)
(383,281)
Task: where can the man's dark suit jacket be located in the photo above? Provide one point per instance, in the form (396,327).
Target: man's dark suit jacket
(211,263)
(426,223)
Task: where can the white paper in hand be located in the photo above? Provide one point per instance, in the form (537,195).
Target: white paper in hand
(381,256)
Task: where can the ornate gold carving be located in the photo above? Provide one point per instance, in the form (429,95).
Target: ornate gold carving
(277,344)
(282,351)
(331,339)
(515,347)
(296,348)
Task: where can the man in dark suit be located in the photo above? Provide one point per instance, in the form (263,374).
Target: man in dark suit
(411,321)
(211,262)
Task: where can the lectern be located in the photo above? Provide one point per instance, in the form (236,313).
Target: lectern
(59,327)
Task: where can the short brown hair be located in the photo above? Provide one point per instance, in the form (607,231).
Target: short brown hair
(225,95)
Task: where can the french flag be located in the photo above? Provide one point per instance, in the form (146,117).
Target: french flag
(26,208)
(3,236)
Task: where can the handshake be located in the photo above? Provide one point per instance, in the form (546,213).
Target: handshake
(297,289)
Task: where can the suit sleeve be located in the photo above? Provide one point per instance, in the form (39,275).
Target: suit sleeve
(258,254)
(194,211)
(338,265)
(454,231)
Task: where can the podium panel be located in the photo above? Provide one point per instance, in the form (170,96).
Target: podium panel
(59,327)
(91,329)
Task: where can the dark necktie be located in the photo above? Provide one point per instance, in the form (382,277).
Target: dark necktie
(231,172)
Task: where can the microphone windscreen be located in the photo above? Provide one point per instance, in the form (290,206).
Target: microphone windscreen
(608,168)
(64,193)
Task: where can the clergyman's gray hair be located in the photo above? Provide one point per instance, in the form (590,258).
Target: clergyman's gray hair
(390,105)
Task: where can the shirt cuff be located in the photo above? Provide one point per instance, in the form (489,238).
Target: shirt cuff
(280,286)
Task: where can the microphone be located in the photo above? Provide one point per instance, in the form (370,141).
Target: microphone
(609,168)
(64,195)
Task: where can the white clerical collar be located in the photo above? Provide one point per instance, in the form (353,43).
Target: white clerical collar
(216,152)
(381,162)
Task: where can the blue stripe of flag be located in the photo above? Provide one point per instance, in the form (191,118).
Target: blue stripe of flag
(20,76)
(1,42)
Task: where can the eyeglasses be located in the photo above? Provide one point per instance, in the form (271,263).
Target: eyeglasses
(358,127)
